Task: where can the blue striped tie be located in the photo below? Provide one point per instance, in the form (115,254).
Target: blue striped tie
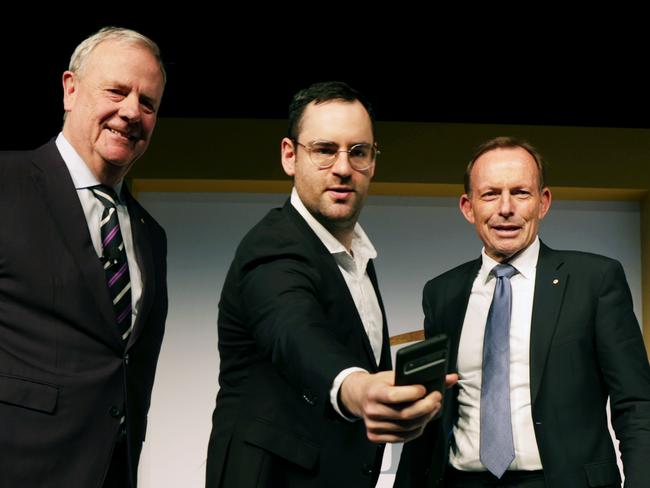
(497,449)
(114,259)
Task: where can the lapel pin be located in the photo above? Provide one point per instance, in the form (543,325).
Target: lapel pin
(556,281)
(141,220)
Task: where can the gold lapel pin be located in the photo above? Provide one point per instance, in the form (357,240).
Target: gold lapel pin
(141,220)
(556,281)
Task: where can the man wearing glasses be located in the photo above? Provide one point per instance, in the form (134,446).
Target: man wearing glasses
(306,393)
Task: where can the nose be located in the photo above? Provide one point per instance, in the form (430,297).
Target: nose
(130,108)
(506,205)
(342,166)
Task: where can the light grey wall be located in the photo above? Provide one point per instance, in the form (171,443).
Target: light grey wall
(416,238)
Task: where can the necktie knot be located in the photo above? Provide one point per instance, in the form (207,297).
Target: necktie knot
(504,271)
(105,194)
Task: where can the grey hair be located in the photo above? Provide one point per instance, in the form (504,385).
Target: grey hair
(81,53)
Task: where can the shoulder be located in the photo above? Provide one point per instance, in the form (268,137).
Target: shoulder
(14,160)
(280,233)
(283,248)
(579,260)
(459,273)
(14,164)
(17,173)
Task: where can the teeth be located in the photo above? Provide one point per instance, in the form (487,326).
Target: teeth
(117,132)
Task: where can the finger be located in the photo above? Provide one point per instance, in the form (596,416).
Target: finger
(397,426)
(451,379)
(397,394)
(427,406)
(391,436)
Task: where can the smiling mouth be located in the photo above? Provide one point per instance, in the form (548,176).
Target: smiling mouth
(506,229)
(131,137)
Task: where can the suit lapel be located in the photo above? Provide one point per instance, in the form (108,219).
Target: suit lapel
(144,257)
(455,306)
(550,283)
(384,357)
(54,183)
(330,263)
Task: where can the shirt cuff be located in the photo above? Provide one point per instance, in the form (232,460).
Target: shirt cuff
(336,386)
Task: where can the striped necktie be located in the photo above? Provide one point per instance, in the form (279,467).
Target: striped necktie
(114,259)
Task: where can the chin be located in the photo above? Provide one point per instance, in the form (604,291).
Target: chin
(119,158)
(340,219)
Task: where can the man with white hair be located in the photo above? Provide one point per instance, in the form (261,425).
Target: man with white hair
(83,296)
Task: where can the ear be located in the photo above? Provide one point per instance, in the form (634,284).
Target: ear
(288,153)
(70,82)
(465,205)
(545,198)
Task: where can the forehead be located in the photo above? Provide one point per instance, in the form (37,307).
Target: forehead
(126,63)
(336,120)
(505,166)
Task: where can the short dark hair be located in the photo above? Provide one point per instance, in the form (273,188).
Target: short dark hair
(506,142)
(320,93)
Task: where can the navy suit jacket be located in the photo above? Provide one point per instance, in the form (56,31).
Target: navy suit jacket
(66,378)
(585,346)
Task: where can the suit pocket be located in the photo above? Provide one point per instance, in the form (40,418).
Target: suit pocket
(282,443)
(603,474)
(28,394)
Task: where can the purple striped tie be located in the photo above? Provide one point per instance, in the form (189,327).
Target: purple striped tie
(114,260)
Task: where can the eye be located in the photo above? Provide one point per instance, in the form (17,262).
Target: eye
(360,151)
(489,195)
(520,193)
(324,149)
(116,93)
(148,106)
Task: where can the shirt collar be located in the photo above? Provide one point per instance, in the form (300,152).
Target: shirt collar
(81,175)
(361,245)
(525,262)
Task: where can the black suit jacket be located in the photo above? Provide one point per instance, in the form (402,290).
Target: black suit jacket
(65,376)
(585,345)
(287,326)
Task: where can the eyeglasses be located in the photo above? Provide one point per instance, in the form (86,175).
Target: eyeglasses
(325,154)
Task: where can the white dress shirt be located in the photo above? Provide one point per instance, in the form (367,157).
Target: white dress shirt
(464,453)
(353,268)
(83,179)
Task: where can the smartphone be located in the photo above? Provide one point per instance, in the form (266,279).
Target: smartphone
(423,363)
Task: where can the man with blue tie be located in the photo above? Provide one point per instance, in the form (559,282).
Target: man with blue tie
(541,339)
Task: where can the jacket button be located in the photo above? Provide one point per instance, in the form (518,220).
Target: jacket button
(367,469)
(126,359)
(309,398)
(115,412)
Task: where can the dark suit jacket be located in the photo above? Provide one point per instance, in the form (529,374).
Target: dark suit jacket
(65,376)
(287,326)
(585,345)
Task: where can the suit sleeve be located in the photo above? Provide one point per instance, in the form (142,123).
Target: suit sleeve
(624,364)
(286,315)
